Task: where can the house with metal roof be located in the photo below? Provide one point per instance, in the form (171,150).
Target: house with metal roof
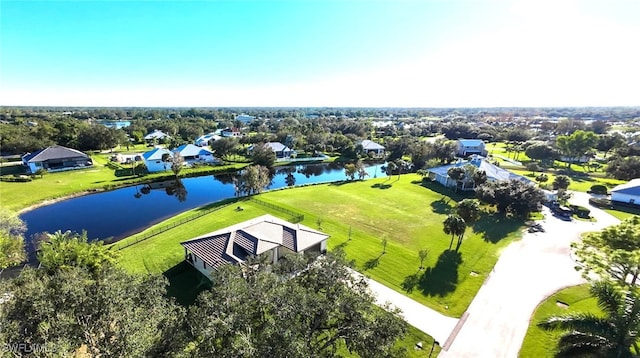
(494,173)
(467,147)
(369,146)
(56,158)
(156,135)
(263,235)
(153,160)
(627,193)
(193,154)
(206,139)
(281,150)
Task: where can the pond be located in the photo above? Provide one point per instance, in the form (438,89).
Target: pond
(122,212)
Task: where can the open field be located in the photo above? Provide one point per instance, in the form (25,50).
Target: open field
(358,215)
(540,343)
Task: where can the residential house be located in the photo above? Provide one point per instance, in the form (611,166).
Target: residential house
(231,132)
(244,118)
(194,154)
(467,147)
(156,136)
(153,160)
(265,234)
(494,173)
(627,193)
(56,158)
(206,139)
(281,150)
(372,147)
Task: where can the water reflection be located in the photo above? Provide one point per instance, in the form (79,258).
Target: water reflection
(174,187)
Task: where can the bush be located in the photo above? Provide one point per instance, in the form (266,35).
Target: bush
(16,178)
(581,211)
(599,189)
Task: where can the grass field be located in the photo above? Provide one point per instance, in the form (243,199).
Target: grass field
(540,343)
(358,216)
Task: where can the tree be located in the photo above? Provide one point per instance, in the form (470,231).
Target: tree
(253,179)
(606,142)
(455,226)
(444,150)
(422,255)
(576,145)
(350,171)
(541,151)
(561,182)
(77,312)
(612,253)
(224,146)
(469,210)
(610,335)
(542,178)
(267,312)
(12,229)
(361,170)
(624,168)
(532,167)
(511,197)
(166,158)
(479,177)
(384,245)
(63,250)
(177,163)
(261,154)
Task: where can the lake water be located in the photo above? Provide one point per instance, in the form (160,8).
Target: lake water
(122,212)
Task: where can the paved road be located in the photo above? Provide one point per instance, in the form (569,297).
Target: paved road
(527,272)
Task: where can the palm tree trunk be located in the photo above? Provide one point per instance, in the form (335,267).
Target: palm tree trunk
(451,242)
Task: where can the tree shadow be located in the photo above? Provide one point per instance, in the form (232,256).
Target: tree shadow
(185,283)
(341,246)
(371,264)
(495,227)
(438,188)
(381,186)
(442,206)
(438,280)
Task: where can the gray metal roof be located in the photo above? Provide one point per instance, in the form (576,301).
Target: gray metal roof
(53,153)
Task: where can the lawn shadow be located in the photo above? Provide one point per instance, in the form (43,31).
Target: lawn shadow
(438,188)
(371,264)
(442,206)
(185,283)
(381,186)
(495,227)
(441,279)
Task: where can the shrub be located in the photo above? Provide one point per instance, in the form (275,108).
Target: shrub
(581,211)
(599,189)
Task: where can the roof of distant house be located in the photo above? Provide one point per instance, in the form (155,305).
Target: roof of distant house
(235,243)
(630,188)
(371,145)
(156,134)
(190,150)
(471,142)
(493,172)
(156,154)
(277,147)
(53,152)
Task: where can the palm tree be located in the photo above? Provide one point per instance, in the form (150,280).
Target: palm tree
(611,335)
(454,225)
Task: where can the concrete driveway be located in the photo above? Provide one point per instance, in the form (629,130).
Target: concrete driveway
(527,272)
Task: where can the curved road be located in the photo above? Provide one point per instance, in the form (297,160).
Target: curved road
(528,271)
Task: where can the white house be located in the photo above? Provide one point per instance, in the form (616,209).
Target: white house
(156,135)
(281,150)
(153,160)
(231,132)
(494,173)
(468,147)
(244,118)
(56,158)
(627,193)
(261,235)
(206,139)
(369,146)
(194,154)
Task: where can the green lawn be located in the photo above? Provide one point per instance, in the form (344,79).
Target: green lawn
(540,343)
(578,182)
(103,174)
(404,212)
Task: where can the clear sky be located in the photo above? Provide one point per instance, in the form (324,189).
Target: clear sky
(351,53)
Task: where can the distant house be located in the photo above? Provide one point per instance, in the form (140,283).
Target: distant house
(231,132)
(56,158)
(627,193)
(206,139)
(494,173)
(261,235)
(369,146)
(194,154)
(281,150)
(155,136)
(467,147)
(153,160)
(244,118)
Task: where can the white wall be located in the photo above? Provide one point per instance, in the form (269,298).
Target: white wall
(625,198)
(156,166)
(199,265)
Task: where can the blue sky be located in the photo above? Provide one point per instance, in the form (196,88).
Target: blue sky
(397,53)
